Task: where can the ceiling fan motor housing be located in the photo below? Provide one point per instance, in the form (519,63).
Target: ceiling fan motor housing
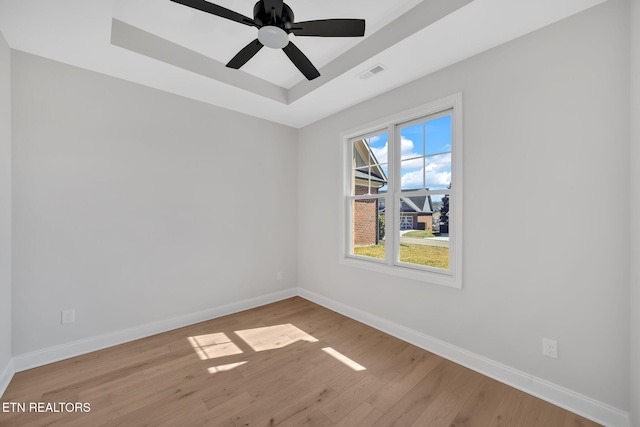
(263,17)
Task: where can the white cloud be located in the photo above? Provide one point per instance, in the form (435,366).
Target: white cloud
(437,174)
(406,148)
(406,151)
(377,138)
(434,179)
(380,153)
(412,179)
(412,164)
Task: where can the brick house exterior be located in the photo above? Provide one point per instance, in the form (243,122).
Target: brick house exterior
(365,218)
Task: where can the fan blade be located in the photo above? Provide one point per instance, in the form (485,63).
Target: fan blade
(245,54)
(220,11)
(329,28)
(273,4)
(301,61)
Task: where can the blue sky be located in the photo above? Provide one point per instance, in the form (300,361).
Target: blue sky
(425,154)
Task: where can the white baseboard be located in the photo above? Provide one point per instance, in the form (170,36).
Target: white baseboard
(560,396)
(48,355)
(5,376)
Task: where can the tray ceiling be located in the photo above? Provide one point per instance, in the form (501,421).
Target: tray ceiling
(176,49)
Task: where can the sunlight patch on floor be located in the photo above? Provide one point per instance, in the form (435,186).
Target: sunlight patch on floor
(344,359)
(215,345)
(272,337)
(222,368)
(211,346)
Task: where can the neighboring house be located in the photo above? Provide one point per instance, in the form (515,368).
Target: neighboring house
(416,213)
(369,178)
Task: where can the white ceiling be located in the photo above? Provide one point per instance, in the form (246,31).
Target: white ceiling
(173,48)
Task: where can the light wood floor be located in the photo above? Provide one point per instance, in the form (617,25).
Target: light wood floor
(292,363)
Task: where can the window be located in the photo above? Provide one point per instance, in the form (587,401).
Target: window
(402,198)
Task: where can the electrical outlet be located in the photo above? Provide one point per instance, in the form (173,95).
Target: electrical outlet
(550,348)
(279,275)
(68,316)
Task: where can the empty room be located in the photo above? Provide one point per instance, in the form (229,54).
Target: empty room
(339,213)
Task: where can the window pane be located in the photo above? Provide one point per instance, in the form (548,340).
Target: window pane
(361,181)
(438,172)
(412,141)
(368,227)
(424,230)
(438,135)
(412,174)
(379,147)
(440,203)
(426,154)
(369,164)
(385,170)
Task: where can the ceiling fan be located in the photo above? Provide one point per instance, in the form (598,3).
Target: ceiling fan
(274,20)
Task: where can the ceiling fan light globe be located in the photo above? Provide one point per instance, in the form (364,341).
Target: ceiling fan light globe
(273,37)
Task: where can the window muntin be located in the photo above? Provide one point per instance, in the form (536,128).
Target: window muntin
(418,207)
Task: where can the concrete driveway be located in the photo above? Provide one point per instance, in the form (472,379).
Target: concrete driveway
(430,241)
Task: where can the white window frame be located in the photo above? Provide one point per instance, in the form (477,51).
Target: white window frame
(451,277)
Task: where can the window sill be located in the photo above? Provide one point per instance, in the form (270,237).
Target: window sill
(443,279)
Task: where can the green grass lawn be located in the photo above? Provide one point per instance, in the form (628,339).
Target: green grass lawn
(419,233)
(431,256)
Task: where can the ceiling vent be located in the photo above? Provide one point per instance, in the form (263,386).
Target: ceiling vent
(376,69)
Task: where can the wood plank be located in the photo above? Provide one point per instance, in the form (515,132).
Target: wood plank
(401,383)
(276,407)
(352,398)
(316,419)
(299,412)
(223,413)
(363,415)
(482,404)
(446,406)
(411,405)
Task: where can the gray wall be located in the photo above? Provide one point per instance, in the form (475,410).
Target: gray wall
(635,212)
(546,175)
(5,205)
(132,205)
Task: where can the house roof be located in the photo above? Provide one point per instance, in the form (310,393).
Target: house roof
(419,204)
(368,168)
(360,175)
(414,204)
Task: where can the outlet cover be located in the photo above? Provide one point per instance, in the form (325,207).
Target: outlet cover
(550,348)
(68,316)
